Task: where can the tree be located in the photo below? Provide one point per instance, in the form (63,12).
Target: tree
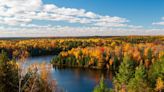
(8,74)
(138,83)
(115,63)
(101,87)
(159,85)
(125,73)
(156,70)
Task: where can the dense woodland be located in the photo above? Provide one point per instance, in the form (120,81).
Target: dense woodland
(137,62)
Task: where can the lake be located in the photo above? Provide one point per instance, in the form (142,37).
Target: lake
(74,79)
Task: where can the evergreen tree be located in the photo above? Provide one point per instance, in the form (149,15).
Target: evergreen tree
(138,83)
(149,56)
(156,70)
(101,87)
(115,63)
(125,73)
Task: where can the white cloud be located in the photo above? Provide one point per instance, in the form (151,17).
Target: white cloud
(132,26)
(49,7)
(12,7)
(23,5)
(52,31)
(91,15)
(19,14)
(161,23)
(34,26)
(24,11)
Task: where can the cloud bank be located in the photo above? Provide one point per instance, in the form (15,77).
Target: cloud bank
(17,16)
(49,31)
(15,12)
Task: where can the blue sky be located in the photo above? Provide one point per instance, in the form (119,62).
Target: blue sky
(139,12)
(81,17)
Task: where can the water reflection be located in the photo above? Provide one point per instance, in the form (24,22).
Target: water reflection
(80,80)
(74,79)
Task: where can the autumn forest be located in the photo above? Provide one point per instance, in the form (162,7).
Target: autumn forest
(136,62)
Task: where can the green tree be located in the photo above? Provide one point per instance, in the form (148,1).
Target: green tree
(138,83)
(125,73)
(149,56)
(101,87)
(115,63)
(156,70)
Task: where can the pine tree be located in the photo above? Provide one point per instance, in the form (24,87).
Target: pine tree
(138,83)
(156,70)
(101,87)
(125,73)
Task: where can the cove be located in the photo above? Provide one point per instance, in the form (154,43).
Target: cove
(74,79)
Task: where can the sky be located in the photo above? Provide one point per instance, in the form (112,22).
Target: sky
(50,18)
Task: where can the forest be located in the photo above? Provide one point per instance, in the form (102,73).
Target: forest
(137,62)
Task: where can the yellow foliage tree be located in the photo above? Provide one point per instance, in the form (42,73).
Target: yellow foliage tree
(159,85)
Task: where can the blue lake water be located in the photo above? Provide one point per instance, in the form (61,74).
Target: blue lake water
(74,79)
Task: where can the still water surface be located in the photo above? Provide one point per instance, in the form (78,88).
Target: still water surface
(74,79)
